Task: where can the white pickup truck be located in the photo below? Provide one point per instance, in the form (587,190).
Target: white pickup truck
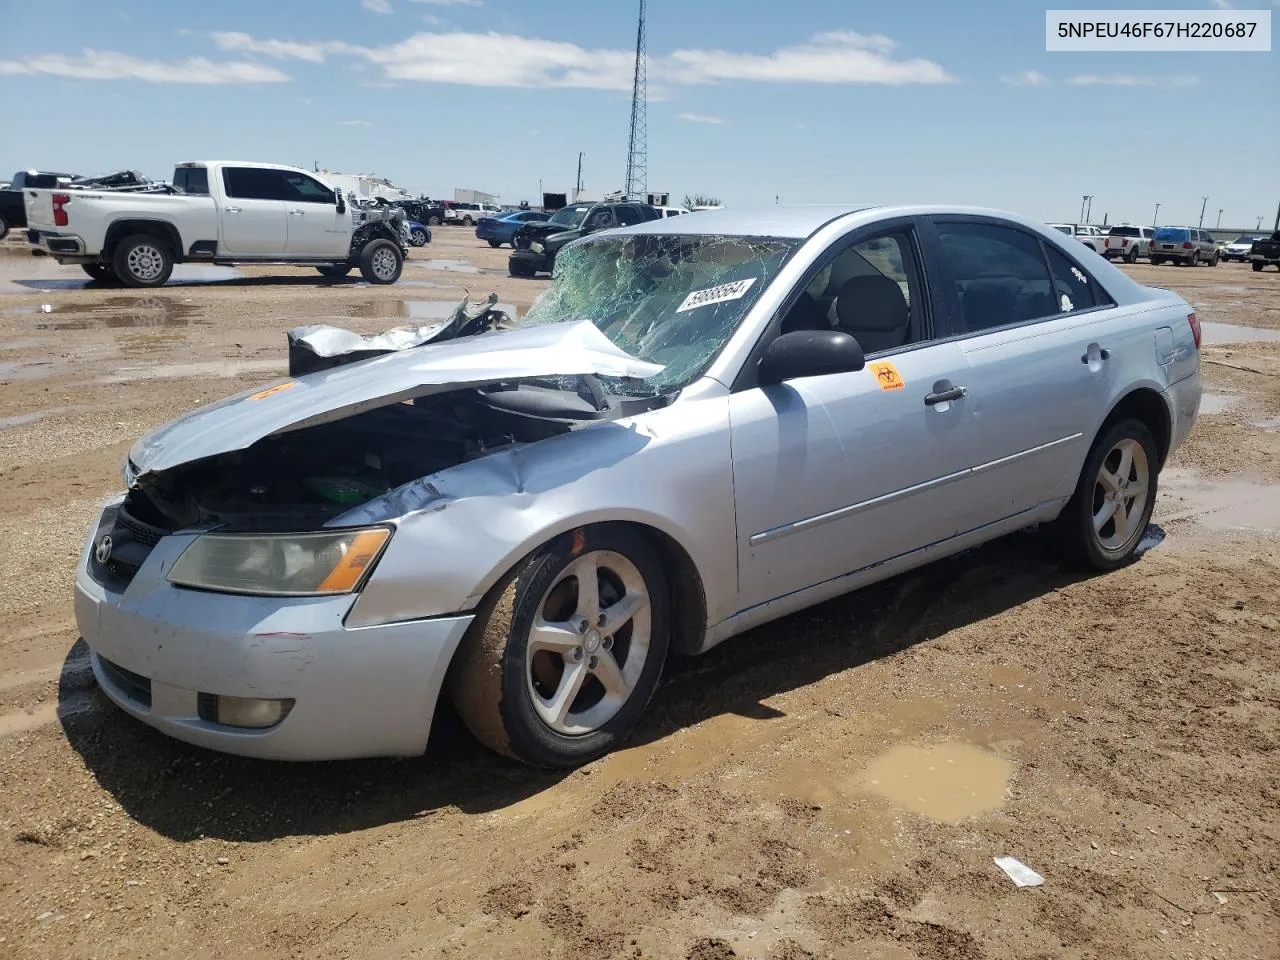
(220,212)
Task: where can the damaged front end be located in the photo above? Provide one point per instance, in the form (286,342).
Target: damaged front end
(296,456)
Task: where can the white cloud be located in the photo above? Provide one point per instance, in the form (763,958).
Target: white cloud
(376,6)
(1028,78)
(431,20)
(280,49)
(354,123)
(109,65)
(702,118)
(451,3)
(1130,80)
(838,56)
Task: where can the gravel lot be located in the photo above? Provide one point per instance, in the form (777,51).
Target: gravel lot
(835,784)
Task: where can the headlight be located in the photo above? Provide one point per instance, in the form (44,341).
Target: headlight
(295,564)
(536,247)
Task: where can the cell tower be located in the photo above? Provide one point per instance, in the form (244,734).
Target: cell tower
(637,185)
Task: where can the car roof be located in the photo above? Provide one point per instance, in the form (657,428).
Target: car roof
(770,221)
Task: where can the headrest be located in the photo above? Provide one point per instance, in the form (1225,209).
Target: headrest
(871,303)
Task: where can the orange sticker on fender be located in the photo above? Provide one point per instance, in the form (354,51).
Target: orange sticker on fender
(886,375)
(271,391)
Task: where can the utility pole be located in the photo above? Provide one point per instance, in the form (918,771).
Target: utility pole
(1155,217)
(1088,214)
(1219,223)
(1277,226)
(1084,198)
(577,193)
(1204,203)
(1105,217)
(1258,226)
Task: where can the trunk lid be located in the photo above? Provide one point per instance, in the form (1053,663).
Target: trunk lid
(561,349)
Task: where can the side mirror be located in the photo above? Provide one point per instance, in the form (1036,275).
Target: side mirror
(342,202)
(809,353)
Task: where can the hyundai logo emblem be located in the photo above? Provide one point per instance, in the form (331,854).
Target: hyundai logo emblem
(102,553)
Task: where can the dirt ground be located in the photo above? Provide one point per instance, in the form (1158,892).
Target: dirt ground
(835,784)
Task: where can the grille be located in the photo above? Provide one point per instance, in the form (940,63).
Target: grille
(142,532)
(131,685)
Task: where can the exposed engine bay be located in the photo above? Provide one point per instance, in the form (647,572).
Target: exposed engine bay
(301,479)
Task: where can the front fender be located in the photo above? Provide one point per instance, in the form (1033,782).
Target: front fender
(460,530)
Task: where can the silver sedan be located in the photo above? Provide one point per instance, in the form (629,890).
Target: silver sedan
(703,424)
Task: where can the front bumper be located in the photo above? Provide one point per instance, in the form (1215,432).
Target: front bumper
(538,262)
(359,692)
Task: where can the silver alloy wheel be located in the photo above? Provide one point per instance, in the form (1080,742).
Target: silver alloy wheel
(1120,496)
(588,643)
(384,263)
(146,261)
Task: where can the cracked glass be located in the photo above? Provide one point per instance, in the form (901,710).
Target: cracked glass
(669,299)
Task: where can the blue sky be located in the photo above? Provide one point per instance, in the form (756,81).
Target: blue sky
(809,100)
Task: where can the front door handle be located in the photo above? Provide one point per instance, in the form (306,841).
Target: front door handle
(296,212)
(1103,354)
(945,396)
(231,209)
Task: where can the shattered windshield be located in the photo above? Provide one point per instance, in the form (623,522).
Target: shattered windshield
(673,300)
(569,217)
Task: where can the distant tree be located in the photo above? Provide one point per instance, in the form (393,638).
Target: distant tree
(698,200)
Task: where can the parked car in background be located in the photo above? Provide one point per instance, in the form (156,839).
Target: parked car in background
(1092,237)
(536,244)
(673,449)
(225,212)
(1187,246)
(671,211)
(1238,249)
(468,213)
(1265,252)
(13,213)
(1127,242)
(419,233)
(502,229)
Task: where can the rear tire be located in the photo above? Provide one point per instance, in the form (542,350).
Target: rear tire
(495,243)
(557,673)
(1156,261)
(433,221)
(142,260)
(1132,255)
(381,262)
(1103,522)
(1257,266)
(418,238)
(4,228)
(334,271)
(100,272)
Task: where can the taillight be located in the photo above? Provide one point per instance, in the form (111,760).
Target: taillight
(1186,246)
(1194,321)
(59,214)
(1106,242)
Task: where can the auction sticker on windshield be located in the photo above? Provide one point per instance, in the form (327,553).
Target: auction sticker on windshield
(719,294)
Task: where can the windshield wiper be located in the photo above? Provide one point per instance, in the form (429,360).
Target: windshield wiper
(589,389)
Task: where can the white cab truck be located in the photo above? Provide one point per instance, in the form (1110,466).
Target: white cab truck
(222,212)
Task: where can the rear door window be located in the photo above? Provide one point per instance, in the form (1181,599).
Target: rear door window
(999,274)
(627,216)
(253,183)
(1073,287)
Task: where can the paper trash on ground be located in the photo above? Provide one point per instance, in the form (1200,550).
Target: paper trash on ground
(1019,872)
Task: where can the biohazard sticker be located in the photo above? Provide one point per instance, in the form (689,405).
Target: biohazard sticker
(886,375)
(721,294)
(271,391)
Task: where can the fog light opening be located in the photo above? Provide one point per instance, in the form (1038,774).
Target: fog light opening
(249,713)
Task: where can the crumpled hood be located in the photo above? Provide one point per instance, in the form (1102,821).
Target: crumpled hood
(559,349)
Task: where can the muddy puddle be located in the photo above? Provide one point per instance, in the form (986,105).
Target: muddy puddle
(449,266)
(119,313)
(1224,506)
(14,370)
(212,369)
(1270,423)
(1219,334)
(184,274)
(948,782)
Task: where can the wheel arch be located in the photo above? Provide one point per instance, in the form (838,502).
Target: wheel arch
(1147,405)
(128,227)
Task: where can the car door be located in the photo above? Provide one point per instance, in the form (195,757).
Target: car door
(834,474)
(314,226)
(1033,326)
(252,217)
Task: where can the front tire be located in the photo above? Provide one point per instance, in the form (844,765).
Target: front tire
(518,268)
(566,650)
(495,243)
(418,238)
(142,260)
(1257,266)
(1132,255)
(4,228)
(467,221)
(1103,522)
(381,262)
(433,221)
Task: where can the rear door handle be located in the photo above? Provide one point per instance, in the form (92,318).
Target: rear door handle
(231,209)
(955,393)
(1104,354)
(296,212)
